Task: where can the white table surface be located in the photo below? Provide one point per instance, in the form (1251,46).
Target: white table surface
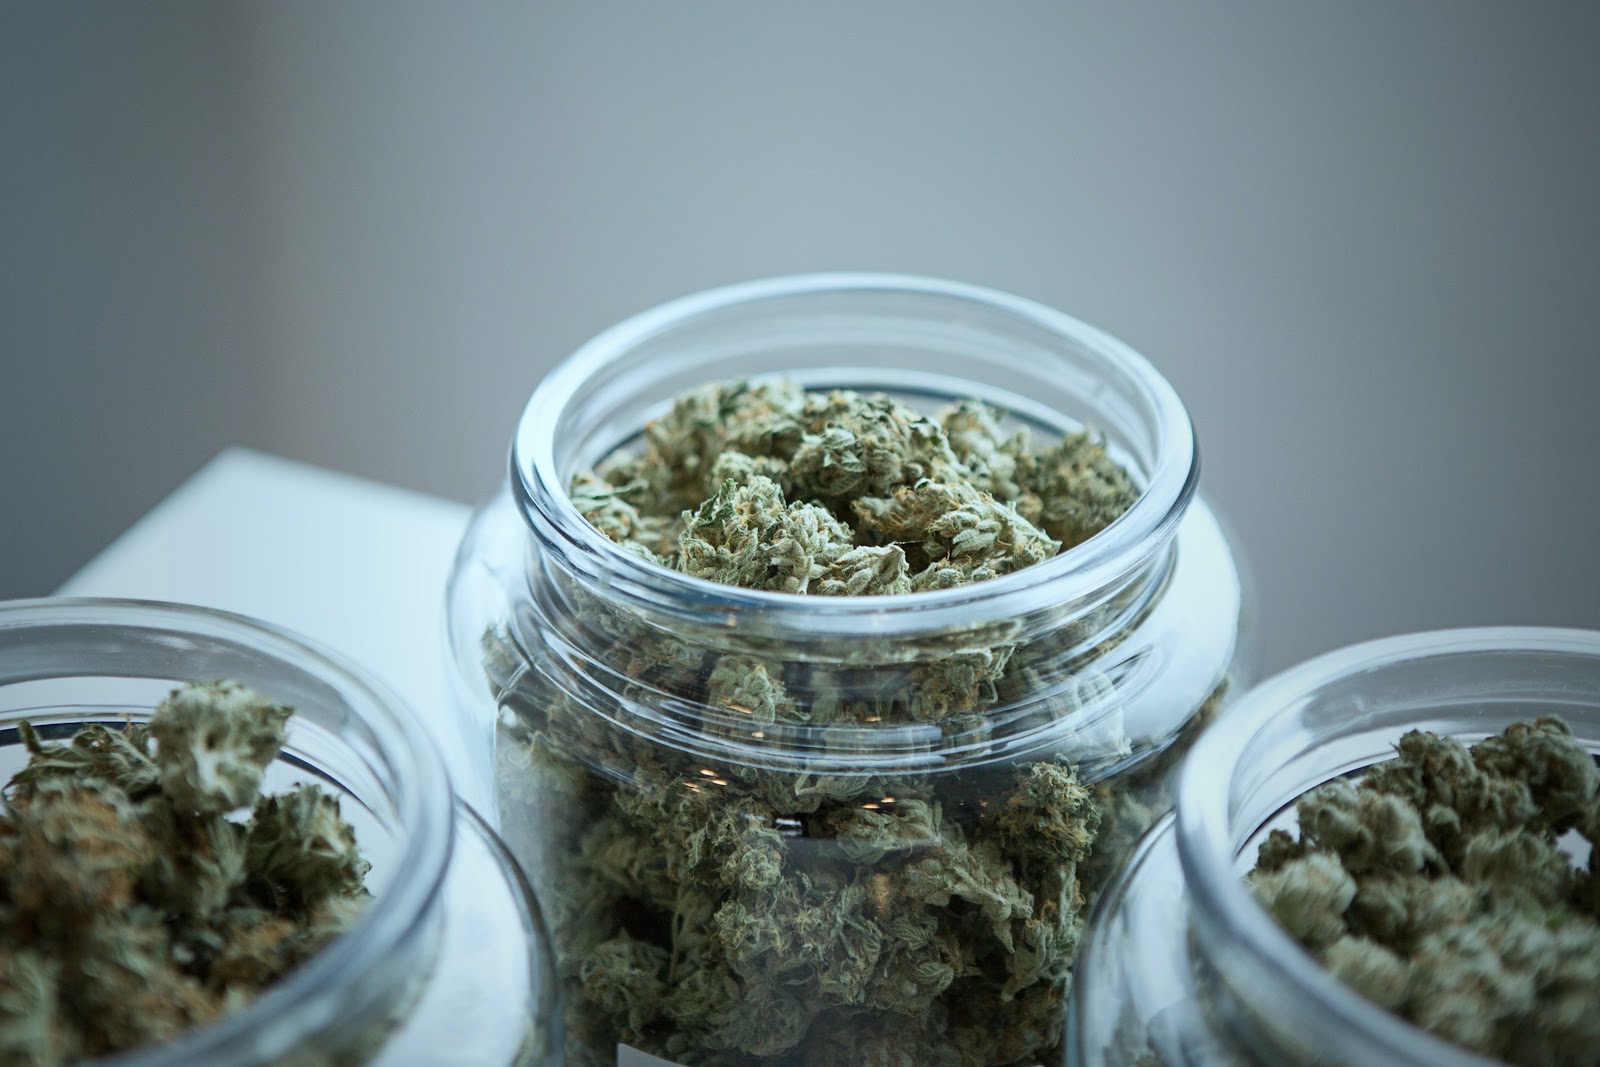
(354,564)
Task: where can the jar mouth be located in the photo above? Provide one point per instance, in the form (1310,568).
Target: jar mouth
(820,312)
(153,640)
(1267,750)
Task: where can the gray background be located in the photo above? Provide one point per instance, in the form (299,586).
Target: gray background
(1362,239)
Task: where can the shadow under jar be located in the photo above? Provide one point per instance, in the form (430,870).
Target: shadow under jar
(1181,964)
(886,858)
(447,964)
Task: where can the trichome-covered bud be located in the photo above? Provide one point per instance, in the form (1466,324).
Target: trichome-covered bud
(1367,829)
(765,486)
(135,902)
(1075,490)
(990,453)
(1308,896)
(865,446)
(214,742)
(747,535)
(866,571)
(608,508)
(747,686)
(301,852)
(118,757)
(1369,969)
(1465,913)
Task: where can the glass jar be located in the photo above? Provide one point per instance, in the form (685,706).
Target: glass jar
(448,964)
(1181,965)
(779,829)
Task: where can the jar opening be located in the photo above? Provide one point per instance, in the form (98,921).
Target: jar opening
(913,337)
(353,735)
(1330,717)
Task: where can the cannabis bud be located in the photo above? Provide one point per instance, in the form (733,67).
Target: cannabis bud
(728,885)
(145,885)
(1439,887)
(766,486)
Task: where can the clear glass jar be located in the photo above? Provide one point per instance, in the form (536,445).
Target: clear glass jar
(449,964)
(1181,965)
(893,868)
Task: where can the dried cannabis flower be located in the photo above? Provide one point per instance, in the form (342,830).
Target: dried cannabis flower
(136,901)
(767,486)
(216,741)
(1438,888)
(714,912)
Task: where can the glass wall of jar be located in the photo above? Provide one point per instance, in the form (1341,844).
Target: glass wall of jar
(448,964)
(783,829)
(1182,965)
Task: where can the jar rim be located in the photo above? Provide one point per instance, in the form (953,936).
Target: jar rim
(1099,562)
(1323,1006)
(296,1006)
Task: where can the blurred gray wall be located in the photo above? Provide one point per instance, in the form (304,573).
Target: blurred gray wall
(1362,239)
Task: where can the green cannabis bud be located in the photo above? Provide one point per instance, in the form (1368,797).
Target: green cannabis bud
(1439,887)
(736,876)
(146,887)
(767,486)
